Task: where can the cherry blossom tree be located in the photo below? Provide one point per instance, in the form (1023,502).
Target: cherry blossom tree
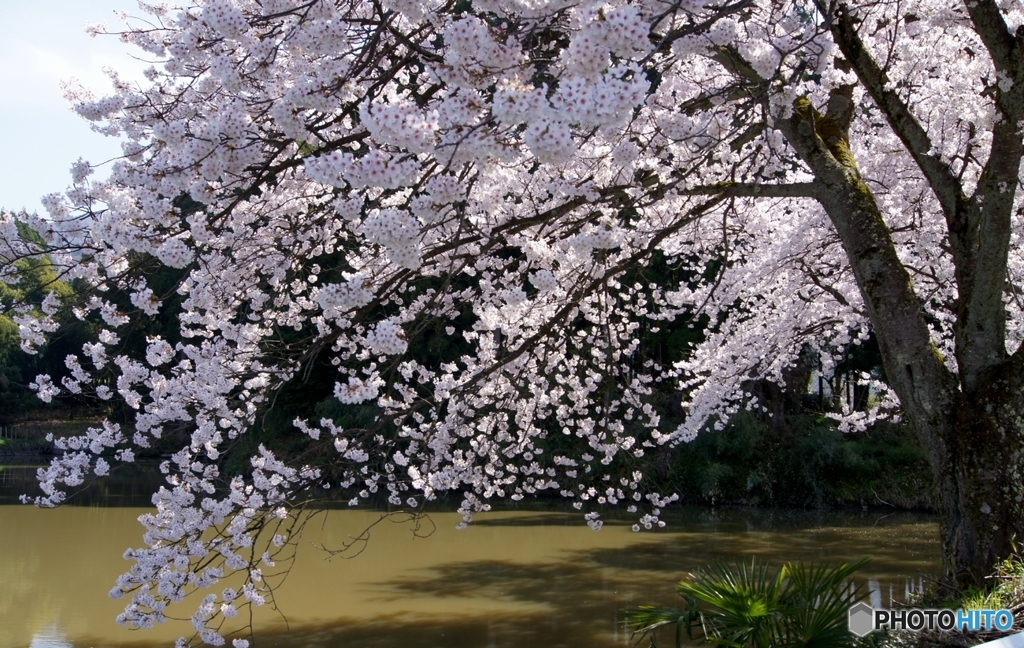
(335,181)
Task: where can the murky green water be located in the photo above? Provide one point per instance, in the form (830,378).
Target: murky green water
(514,578)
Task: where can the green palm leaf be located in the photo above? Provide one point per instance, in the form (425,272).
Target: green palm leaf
(747,605)
(820,597)
(745,602)
(648,618)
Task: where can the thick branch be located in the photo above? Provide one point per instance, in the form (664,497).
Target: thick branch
(981,316)
(992,29)
(979,226)
(754,190)
(926,388)
(940,176)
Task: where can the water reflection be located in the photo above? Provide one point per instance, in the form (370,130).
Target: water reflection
(130,485)
(50,638)
(533,575)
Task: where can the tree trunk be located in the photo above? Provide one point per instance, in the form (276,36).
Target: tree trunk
(972,423)
(979,480)
(972,431)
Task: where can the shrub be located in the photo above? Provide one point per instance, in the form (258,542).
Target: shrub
(747,605)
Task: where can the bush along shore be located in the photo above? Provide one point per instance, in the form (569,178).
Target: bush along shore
(808,463)
(26,436)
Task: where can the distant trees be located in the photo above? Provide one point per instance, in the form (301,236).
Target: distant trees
(32,278)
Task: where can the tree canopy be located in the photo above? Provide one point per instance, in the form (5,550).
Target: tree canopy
(461,218)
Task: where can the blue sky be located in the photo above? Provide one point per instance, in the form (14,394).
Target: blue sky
(43,42)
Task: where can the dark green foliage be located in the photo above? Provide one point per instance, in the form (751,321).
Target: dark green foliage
(810,464)
(309,396)
(36,277)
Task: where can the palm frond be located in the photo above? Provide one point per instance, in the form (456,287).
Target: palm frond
(644,620)
(749,605)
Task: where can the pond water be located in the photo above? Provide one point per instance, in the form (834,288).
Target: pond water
(513,578)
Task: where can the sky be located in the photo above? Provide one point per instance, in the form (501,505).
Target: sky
(42,43)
